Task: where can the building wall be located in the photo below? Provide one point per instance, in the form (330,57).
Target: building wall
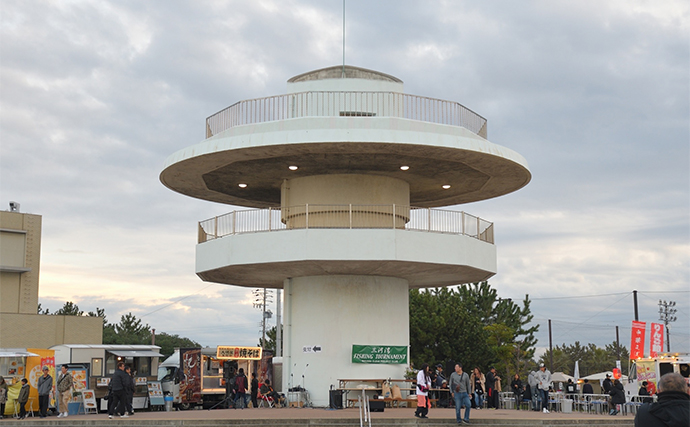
(20,259)
(44,331)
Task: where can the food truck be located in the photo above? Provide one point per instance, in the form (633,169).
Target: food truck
(18,363)
(197,376)
(651,369)
(97,363)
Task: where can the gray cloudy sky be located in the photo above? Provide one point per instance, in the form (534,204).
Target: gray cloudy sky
(94,95)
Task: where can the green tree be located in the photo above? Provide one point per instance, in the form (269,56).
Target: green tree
(444,327)
(168,343)
(270,344)
(40,310)
(131,330)
(69,309)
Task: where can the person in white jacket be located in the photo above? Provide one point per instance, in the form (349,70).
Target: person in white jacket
(544,379)
(423,386)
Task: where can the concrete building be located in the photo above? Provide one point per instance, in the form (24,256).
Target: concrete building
(344,173)
(20,262)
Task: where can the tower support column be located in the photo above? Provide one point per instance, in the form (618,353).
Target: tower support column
(332,313)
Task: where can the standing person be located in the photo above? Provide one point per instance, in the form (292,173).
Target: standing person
(477,381)
(533,383)
(570,389)
(516,386)
(607,384)
(3,396)
(23,398)
(617,397)
(587,388)
(255,390)
(118,397)
(460,387)
(64,388)
(672,407)
(240,388)
(129,391)
(45,387)
(644,392)
(544,378)
(493,382)
(423,385)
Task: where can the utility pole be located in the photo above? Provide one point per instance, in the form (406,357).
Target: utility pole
(618,344)
(550,347)
(667,315)
(261,297)
(637,315)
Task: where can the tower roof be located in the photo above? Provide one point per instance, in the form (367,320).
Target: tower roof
(351,72)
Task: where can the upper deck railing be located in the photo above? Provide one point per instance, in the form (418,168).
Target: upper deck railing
(345,104)
(346,217)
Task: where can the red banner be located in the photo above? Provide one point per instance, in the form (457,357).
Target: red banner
(637,339)
(656,339)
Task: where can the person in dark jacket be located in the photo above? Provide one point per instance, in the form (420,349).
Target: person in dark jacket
(672,408)
(644,392)
(129,391)
(255,390)
(117,384)
(617,397)
(607,384)
(587,388)
(516,386)
(23,398)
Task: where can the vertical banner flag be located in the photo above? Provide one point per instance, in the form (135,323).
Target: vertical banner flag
(637,339)
(656,339)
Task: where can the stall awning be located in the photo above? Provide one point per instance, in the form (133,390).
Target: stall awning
(134,353)
(8,352)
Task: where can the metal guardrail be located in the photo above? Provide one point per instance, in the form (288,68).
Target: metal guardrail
(345,104)
(346,217)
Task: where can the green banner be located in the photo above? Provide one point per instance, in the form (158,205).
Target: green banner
(379,354)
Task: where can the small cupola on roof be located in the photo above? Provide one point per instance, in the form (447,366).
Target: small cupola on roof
(344,79)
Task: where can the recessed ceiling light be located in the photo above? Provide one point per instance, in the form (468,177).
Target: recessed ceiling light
(293,168)
(404,168)
(242,185)
(445,187)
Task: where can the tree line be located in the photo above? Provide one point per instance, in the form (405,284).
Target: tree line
(129,330)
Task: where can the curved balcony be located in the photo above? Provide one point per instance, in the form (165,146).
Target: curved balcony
(345,104)
(346,217)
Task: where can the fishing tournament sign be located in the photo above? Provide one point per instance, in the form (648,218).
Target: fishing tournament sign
(391,354)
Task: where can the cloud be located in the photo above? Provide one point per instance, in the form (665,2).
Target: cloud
(95,96)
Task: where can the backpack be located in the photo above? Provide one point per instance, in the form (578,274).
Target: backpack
(240,384)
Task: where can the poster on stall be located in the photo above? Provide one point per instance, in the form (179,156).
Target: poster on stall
(79,379)
(190,384)
(646,371)
(33,370)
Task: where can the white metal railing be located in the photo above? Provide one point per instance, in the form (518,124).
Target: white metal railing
(346,216)
(352,104)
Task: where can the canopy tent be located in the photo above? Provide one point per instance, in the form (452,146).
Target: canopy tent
(16,352)
(560,377)
(602,375)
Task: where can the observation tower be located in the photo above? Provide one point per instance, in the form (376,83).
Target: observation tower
(344,175)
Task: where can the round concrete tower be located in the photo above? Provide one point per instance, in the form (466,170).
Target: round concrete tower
(344,173)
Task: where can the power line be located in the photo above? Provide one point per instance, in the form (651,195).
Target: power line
(580,296)
(178,300)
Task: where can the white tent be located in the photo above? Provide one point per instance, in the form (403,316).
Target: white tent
(601,376)
(560,377)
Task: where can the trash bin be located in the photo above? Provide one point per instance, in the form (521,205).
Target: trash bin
(567,405)
(168,403)
(335,399)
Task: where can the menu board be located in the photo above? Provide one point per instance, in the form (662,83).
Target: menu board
(156,393)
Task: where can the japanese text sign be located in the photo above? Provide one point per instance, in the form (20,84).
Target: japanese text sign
(637,339)
(656,339)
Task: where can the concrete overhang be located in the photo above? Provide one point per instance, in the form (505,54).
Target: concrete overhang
(259,155)
(423,259)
